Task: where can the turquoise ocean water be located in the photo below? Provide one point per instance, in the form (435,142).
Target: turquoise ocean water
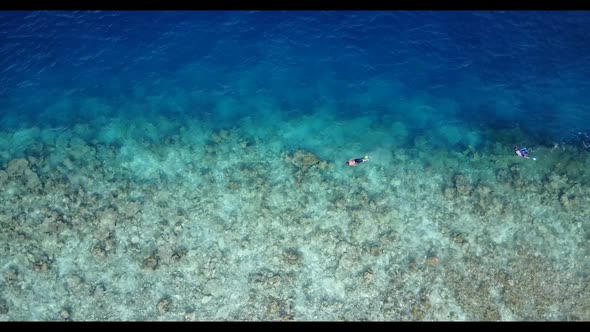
(191,165)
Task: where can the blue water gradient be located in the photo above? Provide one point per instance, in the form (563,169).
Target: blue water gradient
(499,69)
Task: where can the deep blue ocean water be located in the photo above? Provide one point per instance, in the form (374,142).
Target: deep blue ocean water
(502,69)
(191,165)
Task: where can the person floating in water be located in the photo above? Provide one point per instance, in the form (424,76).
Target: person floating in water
(354,162)
(522,152)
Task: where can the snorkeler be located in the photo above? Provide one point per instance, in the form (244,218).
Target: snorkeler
(354,162)
(522,152)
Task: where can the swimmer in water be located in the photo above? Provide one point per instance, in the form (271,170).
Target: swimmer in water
(356,161)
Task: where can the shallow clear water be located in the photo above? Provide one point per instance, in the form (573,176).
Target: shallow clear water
(191,165)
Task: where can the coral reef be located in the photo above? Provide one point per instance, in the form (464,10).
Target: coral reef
(417,234)
(303,161)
